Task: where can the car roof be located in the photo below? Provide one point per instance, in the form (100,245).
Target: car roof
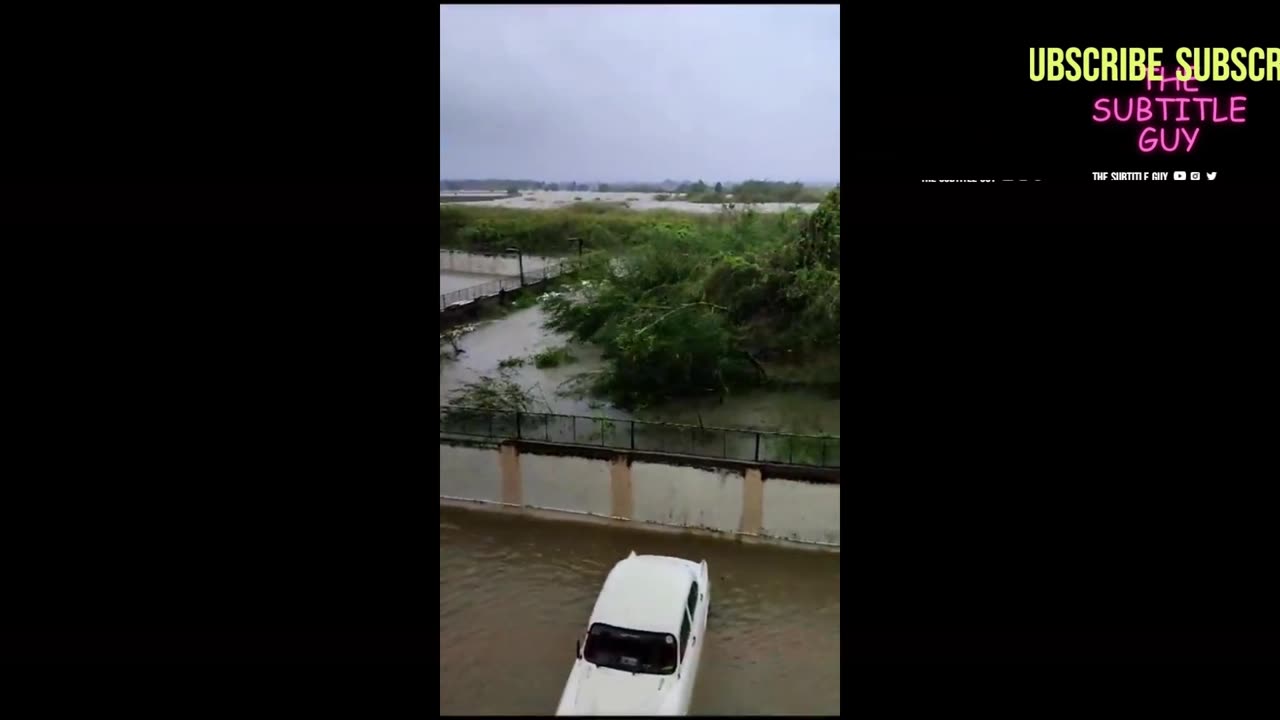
(646,592)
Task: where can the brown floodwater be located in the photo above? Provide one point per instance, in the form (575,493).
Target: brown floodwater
(516,591)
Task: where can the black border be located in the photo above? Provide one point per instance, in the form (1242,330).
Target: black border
(214,453)
(1059,428)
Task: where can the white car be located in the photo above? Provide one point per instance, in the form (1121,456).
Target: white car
(644,640)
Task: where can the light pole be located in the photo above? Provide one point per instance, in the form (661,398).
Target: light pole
(520,261)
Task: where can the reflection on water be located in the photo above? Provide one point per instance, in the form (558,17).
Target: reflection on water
(515,592)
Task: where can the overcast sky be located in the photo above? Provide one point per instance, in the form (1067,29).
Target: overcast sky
(606,93)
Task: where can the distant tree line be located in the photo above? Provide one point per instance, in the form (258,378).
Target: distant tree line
(491,184)
(751,191)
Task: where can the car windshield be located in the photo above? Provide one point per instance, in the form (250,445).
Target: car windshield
(630,650)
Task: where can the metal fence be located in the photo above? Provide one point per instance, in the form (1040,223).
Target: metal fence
(728,443)
(493,287)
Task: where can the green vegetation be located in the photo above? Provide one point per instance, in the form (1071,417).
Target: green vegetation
(698,306)
(553,357)
(512,362)
(493,393)
(524,299)
(688,303)
(601,225)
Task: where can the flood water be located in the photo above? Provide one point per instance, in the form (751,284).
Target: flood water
(641,201)
(516,592)
(451,280)
(521,334)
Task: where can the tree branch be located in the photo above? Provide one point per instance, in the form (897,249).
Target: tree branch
(676,309)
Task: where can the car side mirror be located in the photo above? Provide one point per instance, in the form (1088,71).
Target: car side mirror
(577,648)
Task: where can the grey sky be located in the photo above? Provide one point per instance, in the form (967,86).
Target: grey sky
(717,92)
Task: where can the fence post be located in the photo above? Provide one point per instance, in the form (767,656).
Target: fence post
(791,450)
(757,447)
(574,420)
(693,440)
(518,436)
(823,461)
(724,444)
(490,424)
(633,434)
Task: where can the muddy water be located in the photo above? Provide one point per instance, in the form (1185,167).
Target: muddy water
(515,592)
(521,334)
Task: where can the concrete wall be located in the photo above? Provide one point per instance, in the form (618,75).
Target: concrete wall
(566,483)
(687,497)
(473,473)
(723,496)
(801,511)
(488,264)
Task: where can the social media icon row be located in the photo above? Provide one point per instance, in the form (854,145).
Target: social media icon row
(1182,175)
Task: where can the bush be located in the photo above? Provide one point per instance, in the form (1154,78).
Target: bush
(553,357)
(694,308)
(602,225)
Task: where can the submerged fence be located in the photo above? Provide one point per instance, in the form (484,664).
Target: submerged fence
(729,443)
(493,287)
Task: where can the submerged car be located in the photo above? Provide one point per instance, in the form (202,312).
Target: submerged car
(643,644)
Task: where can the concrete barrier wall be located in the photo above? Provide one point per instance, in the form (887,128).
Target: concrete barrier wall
(801,511)
(473,473)
(488,264)
(566,483)
(687,497)
(723,496)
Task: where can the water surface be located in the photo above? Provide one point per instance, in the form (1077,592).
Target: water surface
(515,592)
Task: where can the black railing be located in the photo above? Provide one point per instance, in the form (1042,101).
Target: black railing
(493,287)
(467,294)
(729,443)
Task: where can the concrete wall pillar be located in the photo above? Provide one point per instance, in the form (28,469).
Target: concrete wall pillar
(620,481)
(509,461)
(752,502)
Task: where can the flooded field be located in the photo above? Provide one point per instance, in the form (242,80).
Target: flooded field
(515,593)
(549,199)
(521,334)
